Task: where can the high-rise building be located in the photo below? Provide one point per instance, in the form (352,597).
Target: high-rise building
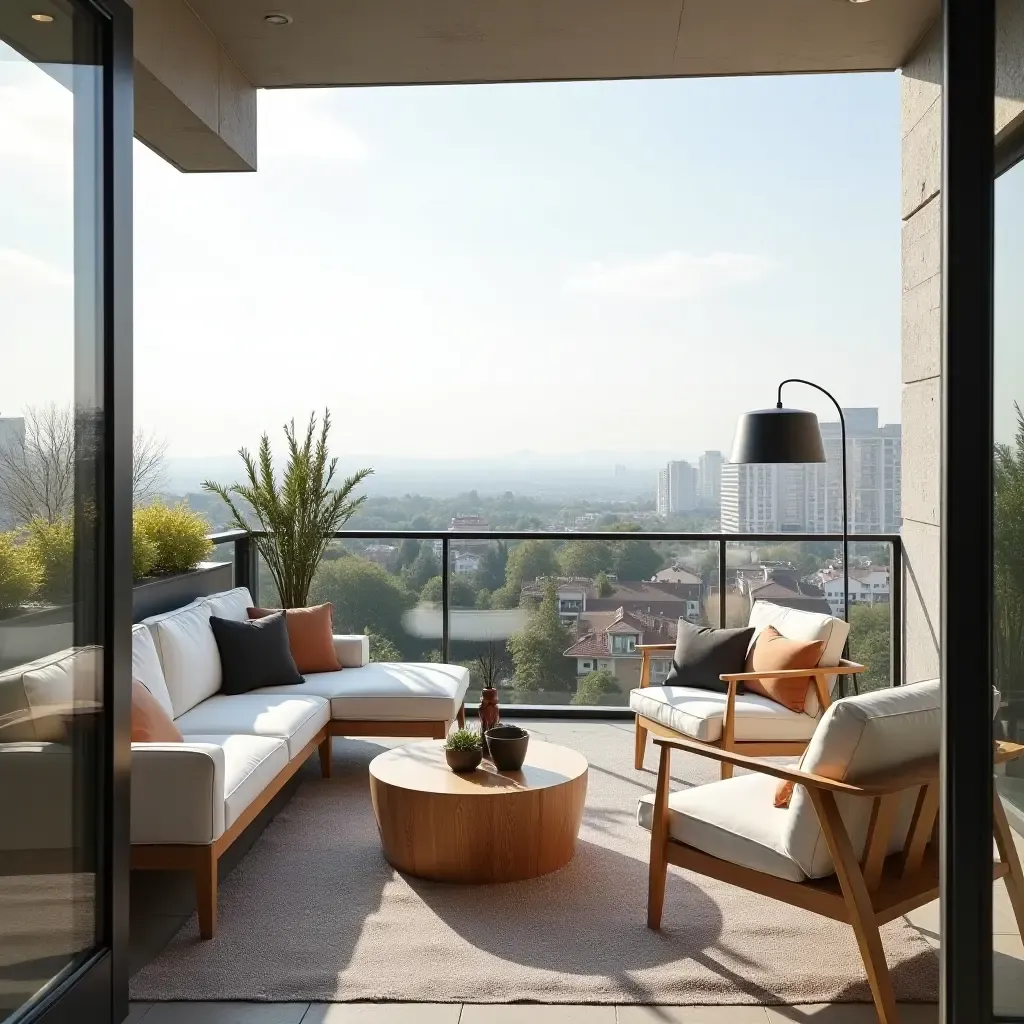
(808,498)
(662,505)
(709,486)
(682,490)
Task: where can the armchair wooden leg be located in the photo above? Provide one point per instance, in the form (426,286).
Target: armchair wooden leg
(658,870)
(858,902)
(462,717)
(1008,855)
(205,875)
(325,757)
(639,745)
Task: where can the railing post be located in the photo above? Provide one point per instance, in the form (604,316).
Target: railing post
(721,583)
(896,613)
(445,638)
(247,566)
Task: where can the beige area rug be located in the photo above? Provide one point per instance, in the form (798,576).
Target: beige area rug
(315,913)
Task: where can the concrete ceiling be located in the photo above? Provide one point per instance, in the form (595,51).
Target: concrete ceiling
(373,42)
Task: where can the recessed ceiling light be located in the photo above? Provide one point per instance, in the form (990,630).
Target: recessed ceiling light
(45,18)
(277,18)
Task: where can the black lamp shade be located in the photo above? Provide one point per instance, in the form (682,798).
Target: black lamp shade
(778,435)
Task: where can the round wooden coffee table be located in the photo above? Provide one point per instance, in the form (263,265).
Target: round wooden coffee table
(481,826)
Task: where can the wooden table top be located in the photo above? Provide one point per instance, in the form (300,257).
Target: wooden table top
(422,767)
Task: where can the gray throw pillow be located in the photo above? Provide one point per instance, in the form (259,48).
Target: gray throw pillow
(254,654)
(704,653)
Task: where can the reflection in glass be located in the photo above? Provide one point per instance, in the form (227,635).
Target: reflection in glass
(51,664)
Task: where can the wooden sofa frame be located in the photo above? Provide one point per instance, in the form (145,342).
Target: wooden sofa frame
(863,893)
(202,861)
(766,748)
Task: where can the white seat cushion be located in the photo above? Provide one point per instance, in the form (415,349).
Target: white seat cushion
(734,820)
(188,654)
(295,718)
(699,713)
(191,792)
(229,604)
(388,691)
(798,624)
(874,733)
(146,667)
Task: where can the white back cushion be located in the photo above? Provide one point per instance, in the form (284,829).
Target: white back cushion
(797,624)
(146,666)
(188,654)
(229,604)
(860,736)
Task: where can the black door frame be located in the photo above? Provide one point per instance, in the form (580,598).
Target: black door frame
(97,989)
(968,169)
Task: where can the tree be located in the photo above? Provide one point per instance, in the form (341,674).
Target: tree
(870,629)
(636,560)
(365,597)
(382,649)
(585,558)
(529,561)
(424,567)
(506,597)
(407,552)
(596,685)
(483,599)
(37,469)
(604,585)
(460,592)
(538,652)
(491,574)
(1008,563)
(297,516)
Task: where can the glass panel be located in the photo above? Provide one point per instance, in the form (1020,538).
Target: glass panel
(1008,605)
(51,453)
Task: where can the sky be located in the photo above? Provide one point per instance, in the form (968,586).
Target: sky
(473,271)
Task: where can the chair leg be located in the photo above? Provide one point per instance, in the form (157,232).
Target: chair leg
(462,717)
(325,757)
(658,871)
(858,903)
(1008,854)
(639,745)
(205,875)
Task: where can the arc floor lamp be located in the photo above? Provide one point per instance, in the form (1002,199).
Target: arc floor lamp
(792,436)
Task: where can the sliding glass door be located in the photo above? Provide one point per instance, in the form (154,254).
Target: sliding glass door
(63,408)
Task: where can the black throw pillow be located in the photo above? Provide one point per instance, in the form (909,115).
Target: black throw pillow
(703,654)
(254,653)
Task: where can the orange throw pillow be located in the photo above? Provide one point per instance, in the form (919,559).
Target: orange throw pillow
(773,651)
(310,636)
(150,722)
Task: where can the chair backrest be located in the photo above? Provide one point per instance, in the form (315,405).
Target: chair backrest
(797,624)
(872,734)
(36,698)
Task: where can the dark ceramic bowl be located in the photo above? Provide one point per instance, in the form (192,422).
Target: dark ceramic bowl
(507,744)
(463,760)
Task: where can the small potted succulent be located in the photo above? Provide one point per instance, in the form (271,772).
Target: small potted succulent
(463,750)
(507,745)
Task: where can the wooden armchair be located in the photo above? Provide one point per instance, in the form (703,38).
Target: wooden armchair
(744,722)
(878,820)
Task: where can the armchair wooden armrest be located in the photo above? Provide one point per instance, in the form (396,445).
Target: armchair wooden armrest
(844,668)
(655,647)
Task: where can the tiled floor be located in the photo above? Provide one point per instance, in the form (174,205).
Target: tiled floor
(163,901)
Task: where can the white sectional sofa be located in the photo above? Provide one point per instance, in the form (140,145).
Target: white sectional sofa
(191,800)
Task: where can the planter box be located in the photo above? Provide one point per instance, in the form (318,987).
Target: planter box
(165,593)
(39,632)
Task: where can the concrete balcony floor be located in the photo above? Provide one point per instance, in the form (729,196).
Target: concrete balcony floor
(162,902)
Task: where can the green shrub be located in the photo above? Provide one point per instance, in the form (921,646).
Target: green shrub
(143,552)
(595,686)
(52,547)
(178,536)
(463,739)
(20,574)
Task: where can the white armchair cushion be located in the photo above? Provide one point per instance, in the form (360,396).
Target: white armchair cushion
(188,654)
(36,796)
(699,713)
(192,792)
(353,651)
(876,732)
(35,698)
(146,667)
(798,624)
(229,604)
(734,820)
(388,691)
(292,717)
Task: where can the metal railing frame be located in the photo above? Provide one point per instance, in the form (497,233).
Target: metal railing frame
(246,565)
